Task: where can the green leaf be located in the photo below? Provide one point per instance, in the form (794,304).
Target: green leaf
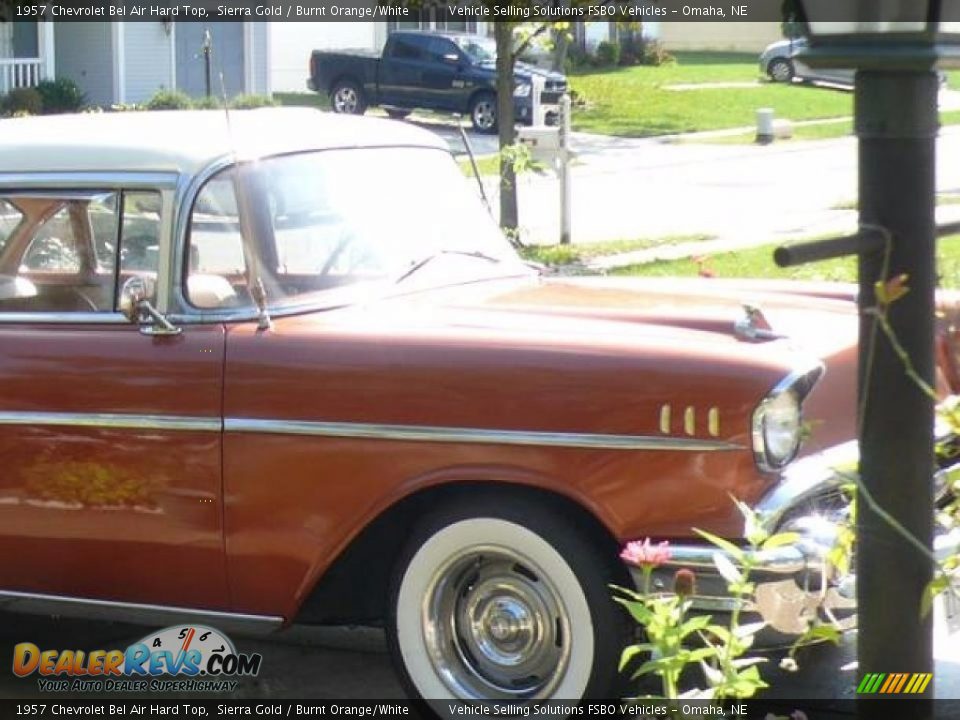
(692,625)
(934,588)
(637,609)
(726,568)
(702,654)
(732,550)
(824,632)
(781,539)
(631,652)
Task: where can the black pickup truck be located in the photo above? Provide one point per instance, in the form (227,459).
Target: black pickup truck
(449,72)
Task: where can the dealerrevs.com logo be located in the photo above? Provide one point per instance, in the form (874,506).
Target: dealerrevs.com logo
(181,658)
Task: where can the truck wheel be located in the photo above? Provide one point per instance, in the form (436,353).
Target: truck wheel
(348,98)
(483,113)
(503,600)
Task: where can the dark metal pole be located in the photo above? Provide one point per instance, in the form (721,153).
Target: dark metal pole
(896,121)
(207,49)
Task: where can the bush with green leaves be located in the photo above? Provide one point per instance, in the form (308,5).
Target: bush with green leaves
(20,102)
(608,54)
(61,95)
(164,99)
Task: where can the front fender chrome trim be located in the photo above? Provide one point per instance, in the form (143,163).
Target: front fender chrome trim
(39,604)
(426,433)
(118,421)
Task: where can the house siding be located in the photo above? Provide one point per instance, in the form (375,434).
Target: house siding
(730,36)
(147,49)
(84,53)
(261,71)
(291,44)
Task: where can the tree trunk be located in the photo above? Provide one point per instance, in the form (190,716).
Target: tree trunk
(503,33)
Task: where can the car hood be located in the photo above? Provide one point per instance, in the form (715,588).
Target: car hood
(696,321)
(524,72)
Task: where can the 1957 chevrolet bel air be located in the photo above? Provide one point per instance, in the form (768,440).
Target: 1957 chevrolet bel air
(280,366)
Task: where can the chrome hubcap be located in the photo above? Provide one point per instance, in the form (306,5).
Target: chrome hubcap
(484,115)
(781,71)
(495,626)
(345,100)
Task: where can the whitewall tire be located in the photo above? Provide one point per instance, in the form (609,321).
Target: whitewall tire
(495,605)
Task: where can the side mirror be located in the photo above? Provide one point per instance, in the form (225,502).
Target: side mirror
(134,305)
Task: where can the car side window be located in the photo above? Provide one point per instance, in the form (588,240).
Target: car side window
(10,217)
(61,257)
(440,47)
(216,265)
(405,49)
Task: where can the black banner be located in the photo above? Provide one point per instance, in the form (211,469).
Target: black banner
(447,710)
(408,10)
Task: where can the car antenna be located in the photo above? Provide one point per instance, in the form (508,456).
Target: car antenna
(258,293)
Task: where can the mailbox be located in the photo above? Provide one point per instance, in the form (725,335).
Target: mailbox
(543,142)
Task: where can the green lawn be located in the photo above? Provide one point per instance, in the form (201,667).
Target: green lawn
(634,102)
(758,263)
(578,254)
(303,99)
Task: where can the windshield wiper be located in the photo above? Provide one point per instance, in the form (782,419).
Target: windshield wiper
(433,256)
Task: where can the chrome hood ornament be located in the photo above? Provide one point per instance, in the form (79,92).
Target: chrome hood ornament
(753,325)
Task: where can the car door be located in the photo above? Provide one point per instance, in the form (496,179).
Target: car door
(443,75)
(110,439)
(401,70)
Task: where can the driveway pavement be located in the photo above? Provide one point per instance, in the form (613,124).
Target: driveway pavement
(741,195)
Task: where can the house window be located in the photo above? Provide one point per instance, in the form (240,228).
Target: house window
(433,19)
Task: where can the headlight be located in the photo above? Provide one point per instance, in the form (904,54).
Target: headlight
(522,90)
(779,428)
(778,421)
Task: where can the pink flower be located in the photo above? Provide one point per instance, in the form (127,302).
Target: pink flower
(643,554)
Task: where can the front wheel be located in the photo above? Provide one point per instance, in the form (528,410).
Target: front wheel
(780,70)
(347,97)
(483,113)
(502,600)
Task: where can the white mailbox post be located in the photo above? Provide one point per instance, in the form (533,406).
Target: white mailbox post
(551,145)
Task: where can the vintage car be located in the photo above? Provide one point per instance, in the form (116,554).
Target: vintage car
(280,366)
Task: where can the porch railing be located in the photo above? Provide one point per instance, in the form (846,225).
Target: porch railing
(19,73)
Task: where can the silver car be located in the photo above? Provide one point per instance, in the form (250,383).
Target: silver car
(779,62)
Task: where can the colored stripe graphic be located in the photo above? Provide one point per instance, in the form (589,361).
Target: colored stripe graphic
(894,683)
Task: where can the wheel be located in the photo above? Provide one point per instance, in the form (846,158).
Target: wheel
(483,113)
(503,600)
(780,70)
(348,98)
(397,113)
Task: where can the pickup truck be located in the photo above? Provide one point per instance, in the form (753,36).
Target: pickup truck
(448,72)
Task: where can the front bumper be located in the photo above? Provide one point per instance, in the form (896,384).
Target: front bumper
(794,582)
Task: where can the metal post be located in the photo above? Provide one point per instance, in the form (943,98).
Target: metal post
(896,121)
(206,48)
(564,170)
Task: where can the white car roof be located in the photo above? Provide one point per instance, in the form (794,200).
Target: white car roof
(187,141)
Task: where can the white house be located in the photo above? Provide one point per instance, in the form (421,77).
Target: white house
(127,62)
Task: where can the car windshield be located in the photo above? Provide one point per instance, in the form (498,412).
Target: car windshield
(479,49)
(334,223)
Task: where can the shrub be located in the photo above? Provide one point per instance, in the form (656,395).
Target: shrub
(608,53)
(654,53)
(21,101)
(164,99)
(62,95)
(248,102)
(576,58)
(207,103)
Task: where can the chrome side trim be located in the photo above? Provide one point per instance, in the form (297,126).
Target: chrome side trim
(96,180)
(426,433)
(55,318)
(113,420)
(38,604)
